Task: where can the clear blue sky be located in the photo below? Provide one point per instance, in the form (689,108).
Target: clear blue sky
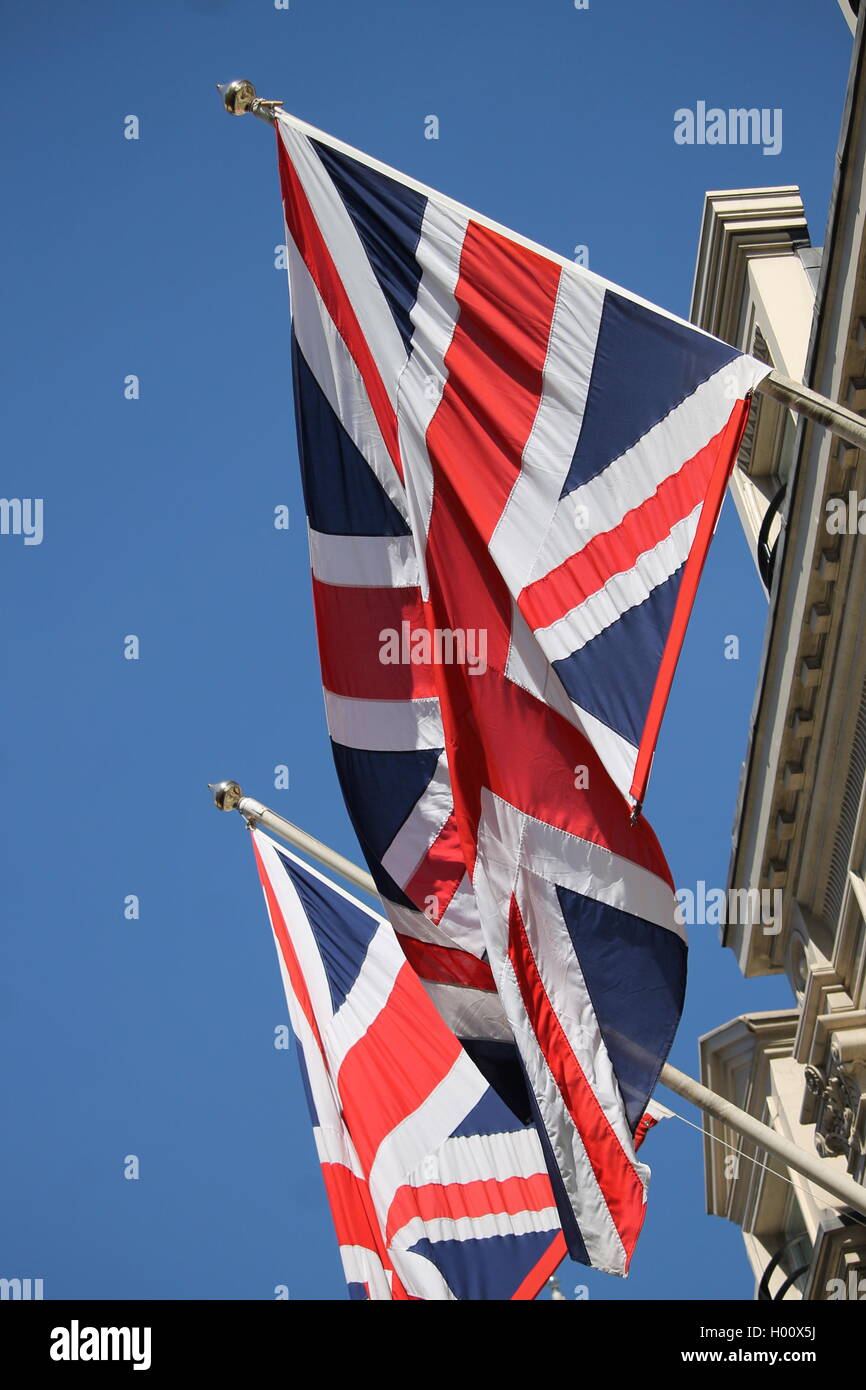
(155,257)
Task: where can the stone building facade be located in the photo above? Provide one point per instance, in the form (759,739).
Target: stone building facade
(800,823)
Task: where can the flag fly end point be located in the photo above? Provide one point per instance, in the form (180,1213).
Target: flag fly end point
(239,97)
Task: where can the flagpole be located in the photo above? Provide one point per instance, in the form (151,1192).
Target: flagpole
(841,421)
(228,796)
(810,1165)
(239,97)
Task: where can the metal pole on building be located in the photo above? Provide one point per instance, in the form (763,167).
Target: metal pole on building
(841,421)
(228,796)
(239,97)
(812,1166)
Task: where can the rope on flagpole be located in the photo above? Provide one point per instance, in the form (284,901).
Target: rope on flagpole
(228,796)
(765,1167)
(809,1165)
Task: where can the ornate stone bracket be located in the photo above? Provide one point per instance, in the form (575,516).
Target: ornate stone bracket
(835,1098)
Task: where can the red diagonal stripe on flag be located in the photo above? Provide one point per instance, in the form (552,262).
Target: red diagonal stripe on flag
(496,359)
(447,965)
(440,873)
(389,1047)
(615,551)
(620,1185)
(312,247)
(547,1265)
(287,950)
(729,447)
(349,1196)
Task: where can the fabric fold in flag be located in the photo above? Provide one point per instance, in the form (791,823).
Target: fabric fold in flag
(437,1190)
(512,470)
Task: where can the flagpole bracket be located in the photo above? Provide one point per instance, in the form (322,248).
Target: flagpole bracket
(239,97)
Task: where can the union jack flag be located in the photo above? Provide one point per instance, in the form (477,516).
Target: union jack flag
(437,1190)
(512,471)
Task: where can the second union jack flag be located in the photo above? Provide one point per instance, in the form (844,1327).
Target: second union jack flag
(512,472)
(437,1190)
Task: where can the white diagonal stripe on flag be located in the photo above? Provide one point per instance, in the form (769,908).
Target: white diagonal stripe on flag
(338,377)
(621,592)
(533,500)
(349,257)
(421,384)
(600,504)
(421,828)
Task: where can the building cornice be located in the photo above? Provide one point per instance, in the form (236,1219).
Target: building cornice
(737,225)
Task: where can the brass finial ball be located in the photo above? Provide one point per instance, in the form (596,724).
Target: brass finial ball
(238,96)
(226,795)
